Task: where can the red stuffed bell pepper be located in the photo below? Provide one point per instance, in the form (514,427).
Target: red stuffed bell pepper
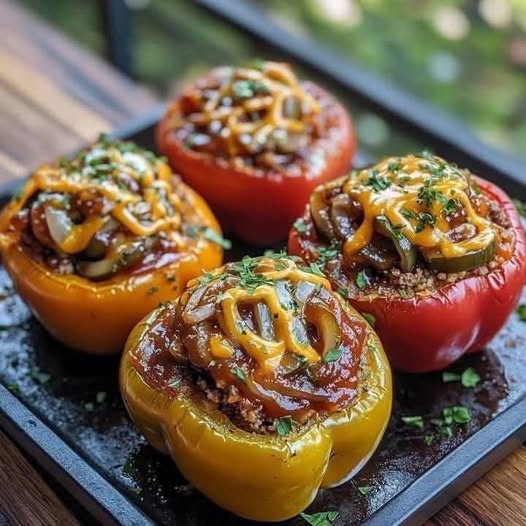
(255,142)
(435,255)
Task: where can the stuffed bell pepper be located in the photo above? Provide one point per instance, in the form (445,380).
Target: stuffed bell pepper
(95,242)
(261,383)
(254,141)
(434,255)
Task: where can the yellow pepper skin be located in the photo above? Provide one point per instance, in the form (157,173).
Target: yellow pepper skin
(256,476)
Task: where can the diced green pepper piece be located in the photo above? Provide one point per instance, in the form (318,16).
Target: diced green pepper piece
(403,246)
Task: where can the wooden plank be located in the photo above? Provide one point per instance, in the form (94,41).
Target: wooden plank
(25,497)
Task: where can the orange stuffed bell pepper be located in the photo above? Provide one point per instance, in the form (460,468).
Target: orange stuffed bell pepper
(94,243)
(261,383)
(255,141)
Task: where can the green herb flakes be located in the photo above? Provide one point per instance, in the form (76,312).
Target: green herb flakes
(332,355)
(371,320)
(323,518)
(470,378)
(239,374)
(448,377)
(361,280)
(211,235)
(413,421)
(284,425)
(364,490)
(521,311)
(428,439)
(300,226)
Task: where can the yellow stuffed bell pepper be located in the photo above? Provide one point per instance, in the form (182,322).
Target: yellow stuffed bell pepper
(261,383)
(94,243)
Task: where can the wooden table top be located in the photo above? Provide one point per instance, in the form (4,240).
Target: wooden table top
(55,96)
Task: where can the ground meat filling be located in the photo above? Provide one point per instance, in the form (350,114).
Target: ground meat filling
(258,116)
(268,344)
(112,207)
(324,236)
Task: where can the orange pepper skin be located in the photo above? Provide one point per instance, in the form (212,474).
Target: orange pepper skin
(258,477)
(96,317)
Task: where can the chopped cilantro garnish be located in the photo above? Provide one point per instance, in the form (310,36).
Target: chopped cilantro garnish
(246,89)
(408,214)
(284,425)
(239,374)
(371,320)
(450,207)
(364,490)
(378,182)
(521,207)
(332,355)
(300,226)
(521,311)
(424,219)
(470,378)
(361,280)
(458,414)
(428,439)
(314,268)
(322,518)
(448,377)
(413,421)
(214,237)
(342,292)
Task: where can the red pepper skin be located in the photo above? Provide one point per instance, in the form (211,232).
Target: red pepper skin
(428,333)
(257,206)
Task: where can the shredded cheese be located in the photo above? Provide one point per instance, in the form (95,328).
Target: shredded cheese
(396,193)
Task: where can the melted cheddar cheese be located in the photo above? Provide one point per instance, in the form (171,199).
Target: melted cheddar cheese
(414,193)
(263,90)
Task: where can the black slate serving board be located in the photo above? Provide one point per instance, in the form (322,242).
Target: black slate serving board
(64,408)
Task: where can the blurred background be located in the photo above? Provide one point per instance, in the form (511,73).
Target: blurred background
(467,57)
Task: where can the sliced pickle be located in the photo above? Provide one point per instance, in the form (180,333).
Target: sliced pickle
(473,259)
(403,246)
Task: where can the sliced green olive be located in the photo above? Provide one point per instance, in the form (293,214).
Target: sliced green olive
(403,246)
(475,258)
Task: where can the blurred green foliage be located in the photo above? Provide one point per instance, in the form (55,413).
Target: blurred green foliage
(465,56)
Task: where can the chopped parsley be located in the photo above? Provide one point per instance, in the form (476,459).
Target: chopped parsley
(300,226)
(369,318)
(322,518)
(342,292)
(521,311)
(457,414)
(450,207)
(361,280)
(408,214)
(284,425)
(314,268)
(403,293)
(428,439)
(424,219)
(521,207)
(326,254)
(239,373)
(364,490)
(256,63)
(332,355)
(470,378)
(211,235)
(246,89)
(378,182)
(413,421)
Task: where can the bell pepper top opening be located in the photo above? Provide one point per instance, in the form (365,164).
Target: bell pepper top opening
(111,208)
(265,340)
(403,227)
(258,116)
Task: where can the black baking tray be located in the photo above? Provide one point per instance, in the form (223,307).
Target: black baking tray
(64,410)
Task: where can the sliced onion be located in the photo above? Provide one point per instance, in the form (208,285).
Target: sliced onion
(303,290)
(264,321)
(284,295)
(59,224)
(200,314)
